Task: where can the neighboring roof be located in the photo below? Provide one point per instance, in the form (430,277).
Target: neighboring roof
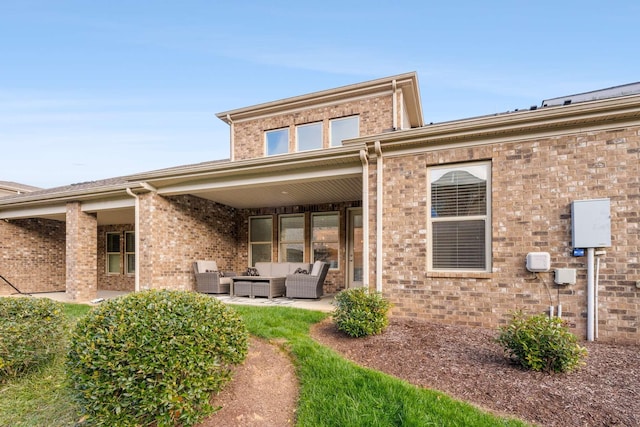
(17,188)
(407,82)
(612,92)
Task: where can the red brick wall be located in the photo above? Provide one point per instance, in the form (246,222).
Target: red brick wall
(533,185)
(175,232)
(81,241)
(32,255)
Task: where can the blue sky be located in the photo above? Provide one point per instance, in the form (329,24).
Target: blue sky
(98,89)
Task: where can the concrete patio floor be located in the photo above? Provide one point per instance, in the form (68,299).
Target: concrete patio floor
(324,304)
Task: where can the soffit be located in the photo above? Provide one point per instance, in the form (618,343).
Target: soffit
(251,184)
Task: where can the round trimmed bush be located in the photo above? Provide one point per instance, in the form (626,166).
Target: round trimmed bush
(541,343)
(31,333)
(360,313)
(154,357)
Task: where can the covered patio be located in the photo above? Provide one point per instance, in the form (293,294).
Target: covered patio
(324,304)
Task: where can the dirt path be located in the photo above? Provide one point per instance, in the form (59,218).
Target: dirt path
(263,392)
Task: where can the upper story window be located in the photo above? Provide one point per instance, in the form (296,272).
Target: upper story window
(459,217)
(344,128)
(309,137)
(277,141)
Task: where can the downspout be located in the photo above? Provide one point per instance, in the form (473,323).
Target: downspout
(395,105)
(137,238)
(379,206)
(231,138)
(365,218)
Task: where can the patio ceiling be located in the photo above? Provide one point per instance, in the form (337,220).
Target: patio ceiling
(276,194)
(327,176)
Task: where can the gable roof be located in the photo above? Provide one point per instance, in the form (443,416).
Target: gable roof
(407,83)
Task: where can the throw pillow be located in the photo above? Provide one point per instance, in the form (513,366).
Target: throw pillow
(300,271)
(317,266)
(251,271)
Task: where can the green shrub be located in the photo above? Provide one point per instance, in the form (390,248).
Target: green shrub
(541,343)
(360,313)
(154,357)
(31,333)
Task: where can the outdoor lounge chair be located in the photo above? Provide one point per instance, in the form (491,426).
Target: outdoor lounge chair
(210,280)
(307,285)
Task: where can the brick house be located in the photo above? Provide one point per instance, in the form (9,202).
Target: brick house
(439,217)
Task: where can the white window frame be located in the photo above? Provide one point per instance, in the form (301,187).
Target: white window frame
(110,254)
(267,147)
(129,253)
(337,241)
(281,242)
(301,138)
(333,143)
(260,242)
(486,217)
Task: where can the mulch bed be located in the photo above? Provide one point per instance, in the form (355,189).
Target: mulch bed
(467,364)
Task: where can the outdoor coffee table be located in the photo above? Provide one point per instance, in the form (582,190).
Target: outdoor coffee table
(258,286)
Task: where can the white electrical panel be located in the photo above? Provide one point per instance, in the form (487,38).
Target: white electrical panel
(565,276)
(591,223)
(538,261)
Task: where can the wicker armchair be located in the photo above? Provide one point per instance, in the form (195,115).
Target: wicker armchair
(307,285)
(210,280)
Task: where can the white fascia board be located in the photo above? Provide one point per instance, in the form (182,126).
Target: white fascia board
(33,212)
(102,205)
(258,180)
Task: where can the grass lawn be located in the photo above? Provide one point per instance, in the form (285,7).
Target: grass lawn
(334,391)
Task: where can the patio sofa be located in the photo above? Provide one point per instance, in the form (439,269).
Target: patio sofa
(307,285)
(270,281)
(210,280)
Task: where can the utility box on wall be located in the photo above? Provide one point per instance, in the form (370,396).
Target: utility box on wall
(591,223)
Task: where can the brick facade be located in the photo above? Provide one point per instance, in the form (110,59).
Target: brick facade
(376,116)
(533,184)
(175,232)
(540,162)
(81,242)
(32,255)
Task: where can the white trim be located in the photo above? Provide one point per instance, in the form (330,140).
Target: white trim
(33,212)
(101,205)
